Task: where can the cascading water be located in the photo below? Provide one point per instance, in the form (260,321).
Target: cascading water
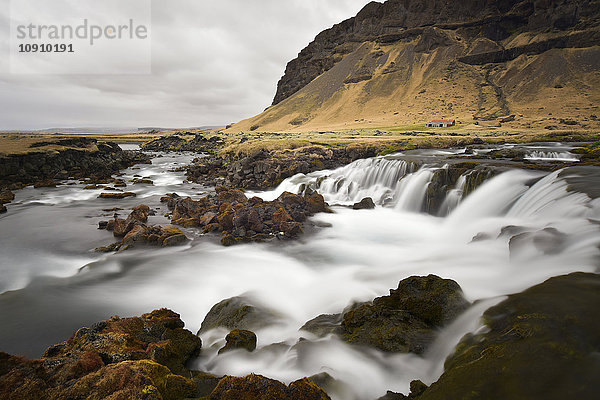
(359,256)
(454,196)
(551,156)
(374,177)
(411,190)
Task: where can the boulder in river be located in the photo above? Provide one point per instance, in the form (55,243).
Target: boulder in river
(239,339)
(365,204)
(238,313)
(408,319)
(324,324)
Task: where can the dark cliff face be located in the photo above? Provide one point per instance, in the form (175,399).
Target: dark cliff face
(396,20)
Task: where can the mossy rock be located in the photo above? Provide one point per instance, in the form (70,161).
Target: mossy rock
(408,319)
(239,339)
(542,343)
(256,387)
(238,313)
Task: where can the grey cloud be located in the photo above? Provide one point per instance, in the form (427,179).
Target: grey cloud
(214,62)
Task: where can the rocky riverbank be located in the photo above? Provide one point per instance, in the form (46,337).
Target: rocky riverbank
(134,358)
(198,143)
(85,158)
(538,343)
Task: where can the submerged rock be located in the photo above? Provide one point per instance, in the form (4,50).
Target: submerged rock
(256,387)
(416,389)
(324,324)
(116,195)
(239,339)
(407,320)
(238,313)
(541,343)
(365,204)
(547,241)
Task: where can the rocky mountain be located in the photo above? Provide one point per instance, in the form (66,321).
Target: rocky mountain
(405,62)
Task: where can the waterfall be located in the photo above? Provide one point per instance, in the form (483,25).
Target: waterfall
(550,196)
(400,184)
(411,190)
(551,156)
(405,185)
(377,178)
(454,196)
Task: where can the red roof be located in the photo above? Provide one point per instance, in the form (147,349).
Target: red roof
(443,120)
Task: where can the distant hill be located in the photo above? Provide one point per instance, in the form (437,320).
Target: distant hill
(403,63)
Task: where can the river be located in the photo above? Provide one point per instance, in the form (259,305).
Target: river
(52,282)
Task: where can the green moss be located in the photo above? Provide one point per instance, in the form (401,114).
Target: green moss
(541,344)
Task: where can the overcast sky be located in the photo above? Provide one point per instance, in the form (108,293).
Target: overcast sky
(213,62)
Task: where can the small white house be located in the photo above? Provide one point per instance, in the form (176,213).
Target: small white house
(440,123)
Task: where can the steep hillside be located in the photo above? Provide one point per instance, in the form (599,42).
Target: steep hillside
(404,62)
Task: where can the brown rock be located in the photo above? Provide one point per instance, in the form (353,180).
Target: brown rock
(48,183)
(231,196)
(207,218)
(6,196)
(175,240)
(365,204)
(291,229)
(138,181)
(316,203)
(138,234)
(228,240)
(140,214)
(225,219)
(280,216)
(256,387)
(120,227)
(116,195)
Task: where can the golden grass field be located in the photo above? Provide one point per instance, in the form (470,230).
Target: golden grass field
(385,139)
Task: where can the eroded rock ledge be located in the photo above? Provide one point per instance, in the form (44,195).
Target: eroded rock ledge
(89,159)
(263,170)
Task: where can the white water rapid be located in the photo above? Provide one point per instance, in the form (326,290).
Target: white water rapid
(50,279)
(551,156)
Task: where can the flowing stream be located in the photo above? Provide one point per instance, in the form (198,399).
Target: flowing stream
(52,282)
